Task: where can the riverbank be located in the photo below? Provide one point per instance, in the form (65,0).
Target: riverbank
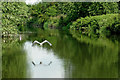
(99,25)
(107,25)
(19,17)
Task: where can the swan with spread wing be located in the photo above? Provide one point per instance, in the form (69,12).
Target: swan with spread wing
(37,42)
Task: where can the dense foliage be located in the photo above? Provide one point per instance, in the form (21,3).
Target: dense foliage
(104,24)
(43,12)
(14,17)
(21,17)
(86,9)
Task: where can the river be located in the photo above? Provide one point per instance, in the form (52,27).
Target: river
(68,57)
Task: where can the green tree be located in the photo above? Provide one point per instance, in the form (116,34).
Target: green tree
(14,17)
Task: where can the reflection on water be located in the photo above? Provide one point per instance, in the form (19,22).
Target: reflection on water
(81,57)
(39,54)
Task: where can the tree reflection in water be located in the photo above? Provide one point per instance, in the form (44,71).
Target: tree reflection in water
(72,56)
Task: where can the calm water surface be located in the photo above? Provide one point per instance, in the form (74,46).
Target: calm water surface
(69,57)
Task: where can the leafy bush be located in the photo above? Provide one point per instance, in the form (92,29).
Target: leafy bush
(66,27)
(103,24)
(75,10)
(45,25)
(54,22)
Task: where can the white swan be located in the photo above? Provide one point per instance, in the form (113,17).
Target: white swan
(45,41)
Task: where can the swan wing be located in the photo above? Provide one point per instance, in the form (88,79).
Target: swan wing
(49,43)
(45,41)
(36,42)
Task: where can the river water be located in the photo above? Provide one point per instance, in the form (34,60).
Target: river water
(68,57)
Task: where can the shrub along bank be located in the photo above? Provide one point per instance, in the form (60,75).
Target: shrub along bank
(103,24)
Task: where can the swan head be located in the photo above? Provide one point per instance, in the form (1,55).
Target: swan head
(40,62)
(45,40)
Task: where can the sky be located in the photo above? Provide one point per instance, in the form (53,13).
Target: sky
(32,1)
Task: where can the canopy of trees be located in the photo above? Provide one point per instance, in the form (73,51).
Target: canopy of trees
(17,16)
